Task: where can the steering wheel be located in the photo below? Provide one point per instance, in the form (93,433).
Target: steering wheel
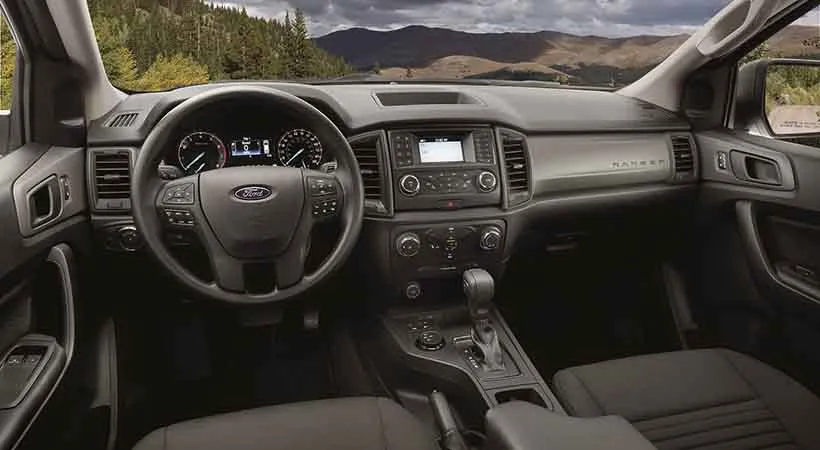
(249,214)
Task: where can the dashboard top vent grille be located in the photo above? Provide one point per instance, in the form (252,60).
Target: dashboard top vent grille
(123,120)
(112,179)
(368,152)
(683,156)
(514,148)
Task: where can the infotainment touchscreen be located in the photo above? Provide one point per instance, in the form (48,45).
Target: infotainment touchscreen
(440,149)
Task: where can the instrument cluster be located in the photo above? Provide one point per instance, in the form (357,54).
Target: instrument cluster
(199,151)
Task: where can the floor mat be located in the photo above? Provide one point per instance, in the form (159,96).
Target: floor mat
(576,309)
(198,371)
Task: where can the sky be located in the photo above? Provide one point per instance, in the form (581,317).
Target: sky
(611,18)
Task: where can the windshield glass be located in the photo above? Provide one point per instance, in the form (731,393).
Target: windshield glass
(150,45)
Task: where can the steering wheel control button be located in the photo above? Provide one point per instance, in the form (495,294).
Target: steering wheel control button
(409,185)
(325,208)
(179,217)
(408,244)
(179,194)
(320,187)
(486,181)
(430,341)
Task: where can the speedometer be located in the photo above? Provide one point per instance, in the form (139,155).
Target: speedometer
(300,148)
(201,151)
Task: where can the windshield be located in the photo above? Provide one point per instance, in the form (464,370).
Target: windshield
(150,45)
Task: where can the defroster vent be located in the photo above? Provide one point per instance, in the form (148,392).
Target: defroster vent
(123,120)
(112,179)
(516,161)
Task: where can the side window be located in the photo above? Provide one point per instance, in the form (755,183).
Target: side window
(792,90)
(8,59)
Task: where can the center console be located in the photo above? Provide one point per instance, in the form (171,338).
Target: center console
(444,168)
(436,172)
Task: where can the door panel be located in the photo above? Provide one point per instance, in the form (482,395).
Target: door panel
(776,215)
(43,220)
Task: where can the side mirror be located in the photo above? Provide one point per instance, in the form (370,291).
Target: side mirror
(779,98)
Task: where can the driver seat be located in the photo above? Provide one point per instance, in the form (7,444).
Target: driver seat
(355,423)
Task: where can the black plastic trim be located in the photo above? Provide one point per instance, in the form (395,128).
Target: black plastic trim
(746,212)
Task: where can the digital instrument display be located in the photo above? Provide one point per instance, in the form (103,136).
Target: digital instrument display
(248,147)
(440,149)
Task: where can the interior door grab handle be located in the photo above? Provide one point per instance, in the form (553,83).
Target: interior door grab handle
(756,168)
(45,202)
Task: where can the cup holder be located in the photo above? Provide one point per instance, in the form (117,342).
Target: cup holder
(529,395)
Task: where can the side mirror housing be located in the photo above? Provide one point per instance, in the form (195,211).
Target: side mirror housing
(779,98)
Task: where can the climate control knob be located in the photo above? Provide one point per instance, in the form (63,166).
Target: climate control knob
(486,181)
(490,238)
(409,185)
(408,244)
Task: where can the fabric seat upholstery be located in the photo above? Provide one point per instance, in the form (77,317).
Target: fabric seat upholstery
(359,423)
(699,399)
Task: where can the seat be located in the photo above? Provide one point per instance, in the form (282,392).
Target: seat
(698,399)
(357,423)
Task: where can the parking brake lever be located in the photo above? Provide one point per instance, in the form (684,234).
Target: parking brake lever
(451,438)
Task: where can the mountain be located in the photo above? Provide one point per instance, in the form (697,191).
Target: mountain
(549,55)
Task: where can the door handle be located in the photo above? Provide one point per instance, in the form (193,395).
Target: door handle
(45,202)
(756,169)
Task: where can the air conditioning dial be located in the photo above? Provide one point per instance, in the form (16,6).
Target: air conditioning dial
(409,185)
(486,181)
(490,238)
(408,244)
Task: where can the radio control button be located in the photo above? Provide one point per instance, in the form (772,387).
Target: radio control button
(409,185)
(486,181)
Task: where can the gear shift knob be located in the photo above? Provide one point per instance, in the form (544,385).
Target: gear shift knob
(479,288)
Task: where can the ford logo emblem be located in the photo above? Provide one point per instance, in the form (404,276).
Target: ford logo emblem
(252,193)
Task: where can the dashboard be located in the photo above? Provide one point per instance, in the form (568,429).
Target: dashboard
(454,175)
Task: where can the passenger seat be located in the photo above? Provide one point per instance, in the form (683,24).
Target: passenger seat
(699,399)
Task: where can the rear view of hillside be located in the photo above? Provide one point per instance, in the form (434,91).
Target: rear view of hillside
(418,51)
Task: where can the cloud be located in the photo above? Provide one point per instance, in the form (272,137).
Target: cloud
(598,17)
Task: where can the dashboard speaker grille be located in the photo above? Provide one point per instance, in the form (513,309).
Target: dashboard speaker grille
(368,151)
(112,179)
(516,162)
(684,158)
(123,120)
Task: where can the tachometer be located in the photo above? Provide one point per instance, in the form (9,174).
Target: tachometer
(300,148)
(201,151)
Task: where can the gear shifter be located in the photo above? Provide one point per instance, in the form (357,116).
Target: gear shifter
(479,288)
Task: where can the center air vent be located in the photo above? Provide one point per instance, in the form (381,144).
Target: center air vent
(368,152)
(514,149)
(123,120)
(683,157)
(112,179)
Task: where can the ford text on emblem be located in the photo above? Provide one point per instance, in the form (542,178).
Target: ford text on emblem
(252,193)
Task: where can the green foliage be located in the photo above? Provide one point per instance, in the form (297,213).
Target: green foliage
(146,36)
(8,55)
(171,72)
(760,52)
(792,85)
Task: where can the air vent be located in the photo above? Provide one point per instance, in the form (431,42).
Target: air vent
(112,179)
(514,147)
(123,120)
(368,151)
(683,157)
